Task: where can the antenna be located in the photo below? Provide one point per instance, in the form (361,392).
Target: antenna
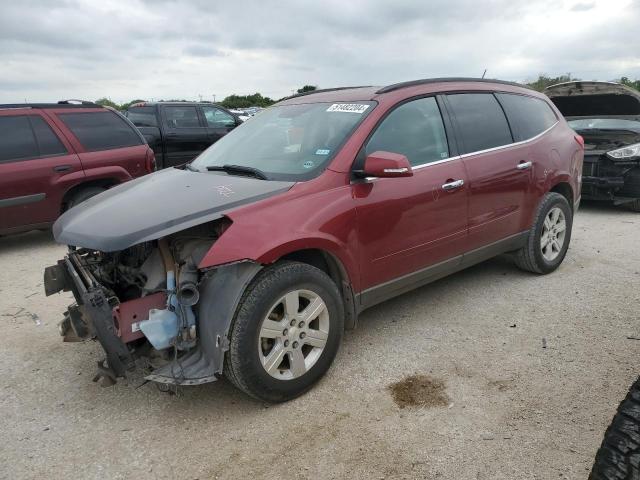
(484,73)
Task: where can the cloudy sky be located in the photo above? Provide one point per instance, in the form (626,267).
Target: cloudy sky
(154,49)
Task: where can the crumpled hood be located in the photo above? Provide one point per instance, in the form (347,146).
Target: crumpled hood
(156,205)
(591,99)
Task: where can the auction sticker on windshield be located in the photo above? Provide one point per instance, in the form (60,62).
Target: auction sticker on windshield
(348,107)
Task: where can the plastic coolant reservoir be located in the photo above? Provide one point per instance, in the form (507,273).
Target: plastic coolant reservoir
(161,328)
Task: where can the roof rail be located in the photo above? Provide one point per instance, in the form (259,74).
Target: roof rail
(426,81)
(311,92)
(75,101)
(16,106)
(6,106)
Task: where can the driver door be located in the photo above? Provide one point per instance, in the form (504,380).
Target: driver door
(219,122)
(413,228)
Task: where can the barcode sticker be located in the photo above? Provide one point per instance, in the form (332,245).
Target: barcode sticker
(348,107)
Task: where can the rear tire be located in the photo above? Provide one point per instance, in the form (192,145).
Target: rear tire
(619,455)
(286,332)
(552,224)
(83,195)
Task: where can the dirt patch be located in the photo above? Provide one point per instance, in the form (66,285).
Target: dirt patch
(419,391)
(500,385)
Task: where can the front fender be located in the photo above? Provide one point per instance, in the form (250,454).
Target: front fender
(236,245)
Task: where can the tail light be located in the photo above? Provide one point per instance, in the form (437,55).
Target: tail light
(151,161)
(580,140)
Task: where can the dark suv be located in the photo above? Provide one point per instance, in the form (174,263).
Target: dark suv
(54,156)
(253,259)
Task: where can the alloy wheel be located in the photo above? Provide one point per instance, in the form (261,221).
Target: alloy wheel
(553,234)
(293,335)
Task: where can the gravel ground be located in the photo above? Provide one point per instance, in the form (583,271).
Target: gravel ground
(516,410)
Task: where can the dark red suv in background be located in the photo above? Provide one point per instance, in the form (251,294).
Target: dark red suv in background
(54,156)
(252,259)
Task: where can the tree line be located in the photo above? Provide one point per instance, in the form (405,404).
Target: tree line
(258,100)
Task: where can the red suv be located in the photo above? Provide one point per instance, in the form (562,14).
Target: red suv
(253,259)
(54,156)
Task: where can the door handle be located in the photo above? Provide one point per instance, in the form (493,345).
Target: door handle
(452,185)
(61,168)
(524,165)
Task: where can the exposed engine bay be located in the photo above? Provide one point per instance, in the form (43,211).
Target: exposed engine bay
(607,116)
(143,305)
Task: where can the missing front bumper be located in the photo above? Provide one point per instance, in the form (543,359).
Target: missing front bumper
(92,316)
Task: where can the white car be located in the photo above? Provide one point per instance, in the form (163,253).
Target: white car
(241,114)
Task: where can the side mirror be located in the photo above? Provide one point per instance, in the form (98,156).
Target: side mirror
(387,165)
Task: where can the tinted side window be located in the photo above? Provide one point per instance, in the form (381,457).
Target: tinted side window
(143,116)
(16,139)
(415,130)
(182,117)
(528,116)
(48,142)
(217,118)
(101,130)
(481,121)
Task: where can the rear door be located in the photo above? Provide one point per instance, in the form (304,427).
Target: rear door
(185,133)
(219,122)
(106,142)
(499,170)
(34,161)
(410,229)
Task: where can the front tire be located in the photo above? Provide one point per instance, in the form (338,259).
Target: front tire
(286,332)
(549,237)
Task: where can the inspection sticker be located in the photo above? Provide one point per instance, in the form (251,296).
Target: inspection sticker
(322,151)
(348,107)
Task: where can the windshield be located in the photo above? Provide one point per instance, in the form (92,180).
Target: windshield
(289,142)
(604,124)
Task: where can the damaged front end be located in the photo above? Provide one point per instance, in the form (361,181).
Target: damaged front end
(611,174)
(607,116)
(151,307)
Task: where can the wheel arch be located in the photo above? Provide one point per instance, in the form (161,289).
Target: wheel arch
(564,189)
(334,268)
(106,182)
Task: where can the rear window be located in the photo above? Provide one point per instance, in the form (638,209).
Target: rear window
(481,121)
(101,130)
(528,116)
(142,116)
(48,142)
(16,139)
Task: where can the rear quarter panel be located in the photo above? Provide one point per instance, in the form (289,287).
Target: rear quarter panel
(557,158)
(121,164)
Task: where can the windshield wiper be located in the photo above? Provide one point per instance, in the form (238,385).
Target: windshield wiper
(188,166)
(239,170)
